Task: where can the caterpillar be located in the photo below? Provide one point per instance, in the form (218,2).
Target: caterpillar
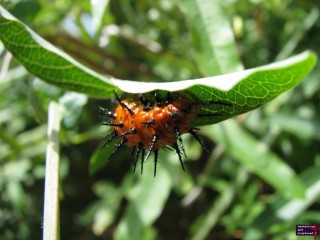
(146,126)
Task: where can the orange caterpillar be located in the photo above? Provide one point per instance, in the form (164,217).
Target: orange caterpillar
(150,125)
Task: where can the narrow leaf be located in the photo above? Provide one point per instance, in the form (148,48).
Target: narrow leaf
(213,42)
(258,158)
(98,8)
(146,205)
(283,209)
(304,128)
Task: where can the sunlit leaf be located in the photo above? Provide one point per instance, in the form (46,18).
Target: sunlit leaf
(49,63)
(244,90)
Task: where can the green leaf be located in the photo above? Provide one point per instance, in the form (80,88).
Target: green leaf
(206,222)
(303,128)
(256,87)
(244,90)
(146,205)
(213,44)
(100,157)
(98,8)
(72,104)
(48,62)
(283,210)
(257,157)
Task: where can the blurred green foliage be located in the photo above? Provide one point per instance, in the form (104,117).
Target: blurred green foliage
(217,198)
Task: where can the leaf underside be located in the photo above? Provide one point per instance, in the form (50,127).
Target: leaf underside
(242,92)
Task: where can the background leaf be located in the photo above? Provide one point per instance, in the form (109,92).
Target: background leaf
(148,198)
(281,209)
(207,20)
(257,158)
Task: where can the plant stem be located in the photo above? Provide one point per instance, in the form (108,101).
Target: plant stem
(51,191)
